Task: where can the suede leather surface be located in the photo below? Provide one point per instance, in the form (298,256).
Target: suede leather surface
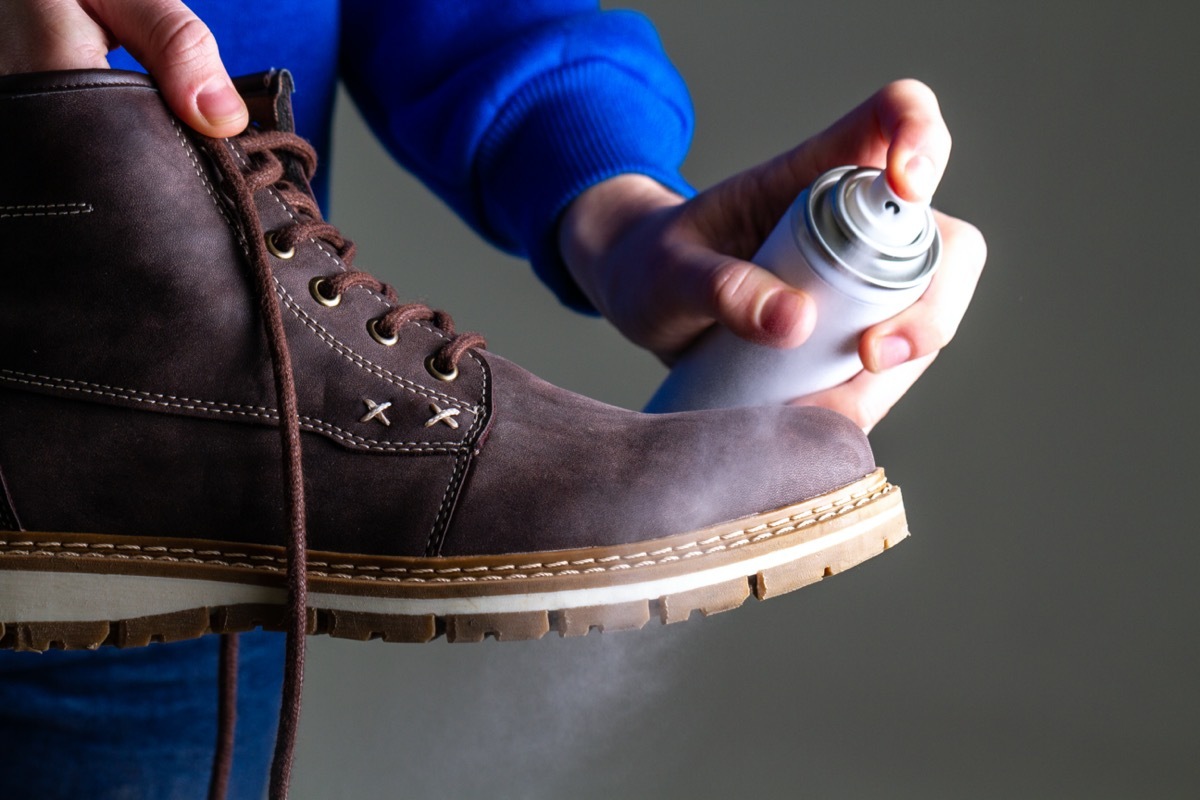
(94,468)
(123,297)
(136,394)
(557,465)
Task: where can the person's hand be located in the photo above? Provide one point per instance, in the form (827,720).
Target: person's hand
(663,270)
(163,35)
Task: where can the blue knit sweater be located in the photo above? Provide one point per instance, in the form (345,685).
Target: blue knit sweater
(506,109)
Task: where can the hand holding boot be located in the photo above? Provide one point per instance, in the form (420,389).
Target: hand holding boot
(164,35)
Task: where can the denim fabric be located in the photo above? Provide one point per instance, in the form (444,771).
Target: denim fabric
(136,724)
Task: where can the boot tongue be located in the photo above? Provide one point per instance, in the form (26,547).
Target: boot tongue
(268,96)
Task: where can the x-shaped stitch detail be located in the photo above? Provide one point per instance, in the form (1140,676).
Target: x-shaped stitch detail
(447,416)
(375,411)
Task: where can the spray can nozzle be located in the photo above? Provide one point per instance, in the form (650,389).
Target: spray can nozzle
(882,215)
(868,229)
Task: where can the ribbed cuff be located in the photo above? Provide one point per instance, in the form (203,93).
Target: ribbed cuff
(564,132)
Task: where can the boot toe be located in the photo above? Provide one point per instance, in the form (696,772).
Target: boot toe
(559,471)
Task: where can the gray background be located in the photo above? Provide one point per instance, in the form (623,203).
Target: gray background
(1038,634)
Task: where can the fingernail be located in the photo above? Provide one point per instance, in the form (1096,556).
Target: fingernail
(780,314)
(219,103)
(892,351)
(922,177)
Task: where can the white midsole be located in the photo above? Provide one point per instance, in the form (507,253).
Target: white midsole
(30,596)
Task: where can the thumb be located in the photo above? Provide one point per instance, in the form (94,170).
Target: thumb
(180,52)
(750,301)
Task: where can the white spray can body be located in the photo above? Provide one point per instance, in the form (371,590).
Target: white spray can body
(862,253)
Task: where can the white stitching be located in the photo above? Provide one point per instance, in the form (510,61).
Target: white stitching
(336,344)
(286,296)
(155,398)
(360,361)
(43,210)
(312,424)
(208,185)
(337,261)
(437,534)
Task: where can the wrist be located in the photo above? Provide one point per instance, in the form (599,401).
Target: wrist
(599,218)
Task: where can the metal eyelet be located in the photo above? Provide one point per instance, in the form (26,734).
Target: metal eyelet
(377,335)
(316,287)
(273,248)
(432,369)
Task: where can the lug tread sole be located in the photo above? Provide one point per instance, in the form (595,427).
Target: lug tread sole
(512,626)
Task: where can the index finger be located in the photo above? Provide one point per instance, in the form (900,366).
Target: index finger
(899,128)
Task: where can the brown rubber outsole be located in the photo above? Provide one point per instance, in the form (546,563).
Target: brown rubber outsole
(854,510)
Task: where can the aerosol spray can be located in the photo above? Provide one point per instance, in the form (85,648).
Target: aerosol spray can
(860,251)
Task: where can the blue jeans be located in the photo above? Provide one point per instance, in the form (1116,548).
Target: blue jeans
(133,724)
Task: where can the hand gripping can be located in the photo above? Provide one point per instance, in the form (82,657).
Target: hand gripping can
(860,251)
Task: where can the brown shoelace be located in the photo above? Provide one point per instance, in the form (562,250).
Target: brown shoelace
(285,163)
(218,780)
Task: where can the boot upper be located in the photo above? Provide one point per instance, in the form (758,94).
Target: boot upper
(135,370)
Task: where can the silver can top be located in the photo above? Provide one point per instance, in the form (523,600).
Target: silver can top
(870,233)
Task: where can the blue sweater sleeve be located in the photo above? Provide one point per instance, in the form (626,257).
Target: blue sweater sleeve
(508,109)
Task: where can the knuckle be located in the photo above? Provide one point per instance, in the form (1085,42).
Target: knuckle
(730,284)
(90,52)
(182,39)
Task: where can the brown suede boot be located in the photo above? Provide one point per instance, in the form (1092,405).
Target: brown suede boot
(174,306)
(446,489)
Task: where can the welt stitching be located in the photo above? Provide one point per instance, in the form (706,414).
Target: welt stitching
(586,566)
(313,424)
